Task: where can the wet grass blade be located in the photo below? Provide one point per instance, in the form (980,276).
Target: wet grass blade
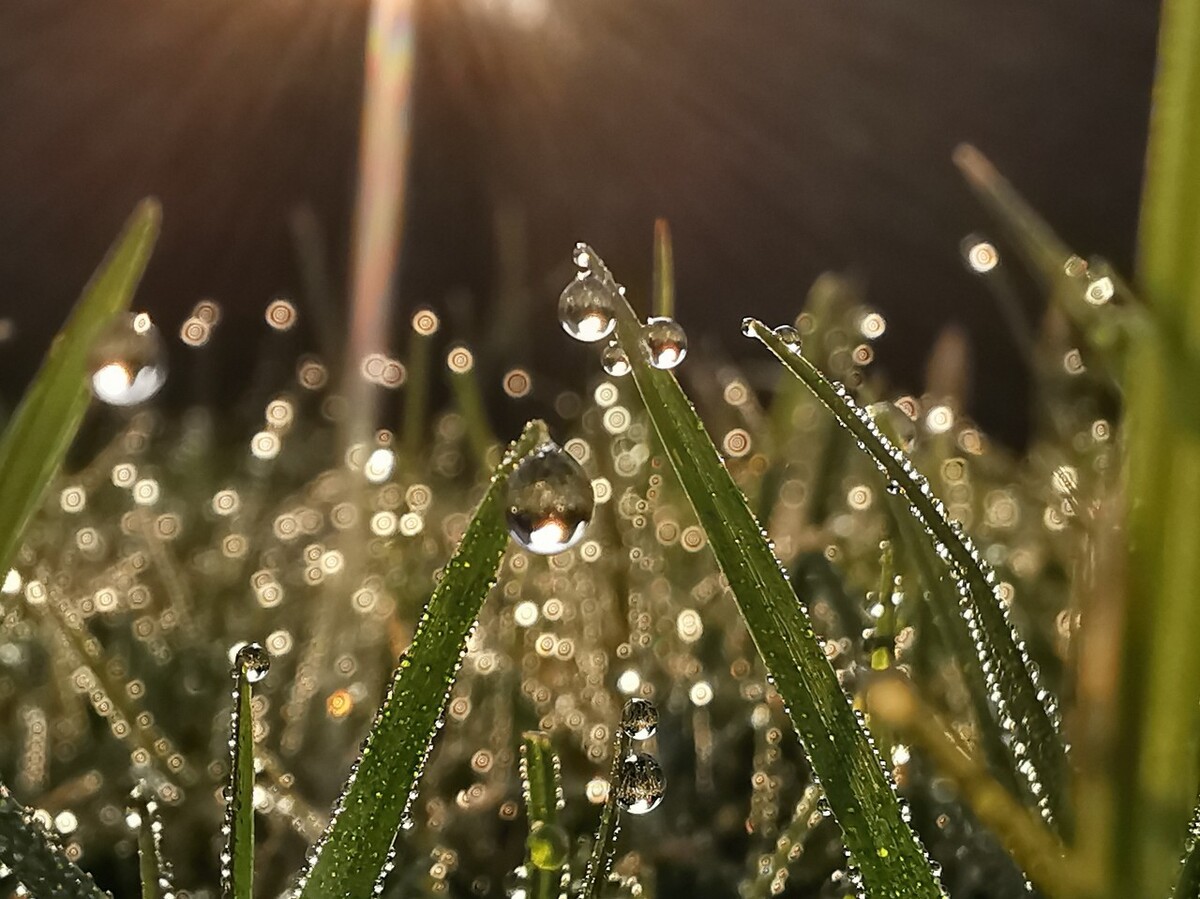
(604,843)
(37,437)
(1011,676)
(546,845)
(354,851)
(237,861)
(37,862)
(883,847)
(153,869)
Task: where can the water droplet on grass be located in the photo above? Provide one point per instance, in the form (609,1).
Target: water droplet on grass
(587,309)
(641,785)
(639,719)
(549,501)
(254,661)
(664,343)
(614,360)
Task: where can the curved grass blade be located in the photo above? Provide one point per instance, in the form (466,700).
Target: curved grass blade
(237,861)
(354,851)
(1011,676)
(546,846)
(37,437)
(37,862)
(882,846)
(153,869)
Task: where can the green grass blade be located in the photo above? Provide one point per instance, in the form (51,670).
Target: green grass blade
(1011,676)
(883,847)
(237,861)
(35,859)
(1158,713)
(546,846)
(771,873)
(37,438)
(349,858)
(604,843)
(153,869)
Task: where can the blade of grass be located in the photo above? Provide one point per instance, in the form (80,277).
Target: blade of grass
(546,846)
(349,858)
(37,438)
(237,861)
(604,844)
(35,859)
(1158,714)
(153,869)
(770,878)
(1011,676)
(882,846)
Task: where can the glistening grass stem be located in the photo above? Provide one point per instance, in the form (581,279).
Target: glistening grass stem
(604,846)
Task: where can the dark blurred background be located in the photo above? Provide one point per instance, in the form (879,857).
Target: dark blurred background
(781,138)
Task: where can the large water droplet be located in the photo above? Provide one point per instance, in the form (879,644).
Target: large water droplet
(548,846)
(253,660)
(128,362)
(639,719)
(641,786)
(587,309)
(614,360)
(664,344)
(549,501)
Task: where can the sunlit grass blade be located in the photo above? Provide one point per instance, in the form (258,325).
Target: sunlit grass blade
(771,872)
(546,844)
(1158,715)
(153,870)
(1012,678)
(237,861)
(883,847)
(38,435)
(1038,851)
(354,851)
(37,862)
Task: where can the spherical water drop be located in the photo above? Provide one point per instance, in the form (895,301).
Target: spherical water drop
(549,501)
(790,336)
(641,786)
(128,362)
(664,344)
(639,719)
(614,360)
(548,846)
(254,661)
(587,309)
(747,327)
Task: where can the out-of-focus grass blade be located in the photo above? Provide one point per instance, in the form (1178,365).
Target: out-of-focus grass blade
(354,851)
(1158,715)
(37,438)
(771,872)
(1188,884)
(546,846)
(36,861)
(237,861)
(1011,676)
(153,869)
(882,845)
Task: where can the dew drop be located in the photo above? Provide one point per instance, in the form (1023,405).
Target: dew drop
(790,336)
(664,343)
(587,310)
(641,786)
(639,719)
(614,360)
(254,661)
(548,846)
(128,362)
(549,501)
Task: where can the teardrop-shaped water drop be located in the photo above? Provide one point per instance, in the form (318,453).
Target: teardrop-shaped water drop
(639,719)
(549,501)
(664,343)
(254,661)
(128,362)
(587,309)
(641,785)
(614,360)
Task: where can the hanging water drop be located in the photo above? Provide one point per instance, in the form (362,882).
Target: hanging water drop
(549,501)
(614,360)
(664,343)
(128,362)
(641,786)
(254,661)
(587,308)
(639,719)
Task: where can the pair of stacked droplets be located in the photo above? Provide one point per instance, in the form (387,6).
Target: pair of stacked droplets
(640,782)
(587,310)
